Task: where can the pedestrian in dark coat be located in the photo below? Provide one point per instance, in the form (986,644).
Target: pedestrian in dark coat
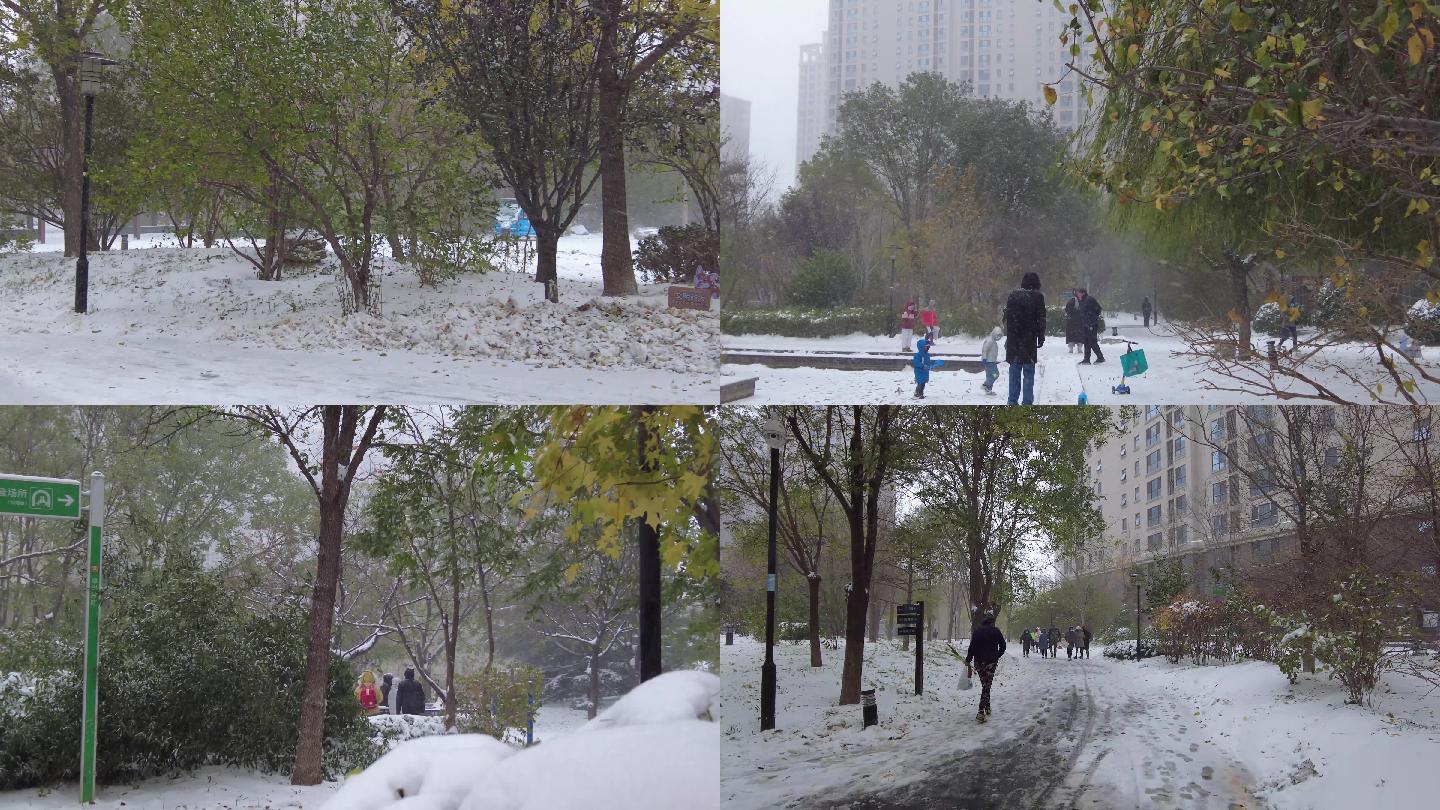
(1054,642)
(386,683)
(410,695)
(1044,642)
(1026,640)
(1085,636)
(1024,335)
(1090,319)
(1074,331)
(1145,310)
(987,645)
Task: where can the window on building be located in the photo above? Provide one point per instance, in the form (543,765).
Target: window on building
(1152,489)
(1217,429)
(1152,435)
(1153,541)
(1217,461)
(1123,473)
(1152,462)
(1217,493)
(1422,430)
(1182,535)
(1124,501)
(1180,477)
(1219,525)
(1124,524)
(1332,457)
(1153,516)
(1264,514)
(1151,411)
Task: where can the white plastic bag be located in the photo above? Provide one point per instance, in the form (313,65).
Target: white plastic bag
(965,680)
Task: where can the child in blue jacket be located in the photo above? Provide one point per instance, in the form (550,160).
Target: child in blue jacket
(922,363)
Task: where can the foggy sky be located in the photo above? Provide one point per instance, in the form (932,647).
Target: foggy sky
(759,61)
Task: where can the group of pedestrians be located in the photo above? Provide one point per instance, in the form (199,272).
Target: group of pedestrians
(1047,642)
(389,697)
(987,647)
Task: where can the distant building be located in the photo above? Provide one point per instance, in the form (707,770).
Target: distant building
(1002,49)
(734,128)
(1169,486)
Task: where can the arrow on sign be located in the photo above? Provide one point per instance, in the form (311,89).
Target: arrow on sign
(66,499)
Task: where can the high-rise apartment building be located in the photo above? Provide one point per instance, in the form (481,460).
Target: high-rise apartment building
(734,127)
(1002,49)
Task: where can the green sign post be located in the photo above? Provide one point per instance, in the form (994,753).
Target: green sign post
(58,498)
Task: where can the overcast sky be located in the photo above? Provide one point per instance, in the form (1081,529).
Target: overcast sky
(759,61)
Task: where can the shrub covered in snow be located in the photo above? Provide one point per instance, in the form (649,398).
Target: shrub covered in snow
(191,677)
(1422,322)
(1271,319)
(1125,650)
(803,322)
(672,255)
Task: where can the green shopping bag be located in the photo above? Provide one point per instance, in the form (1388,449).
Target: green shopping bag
(1133,362)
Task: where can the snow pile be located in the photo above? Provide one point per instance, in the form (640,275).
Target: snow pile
(174,324)
(396,728)
(649,751)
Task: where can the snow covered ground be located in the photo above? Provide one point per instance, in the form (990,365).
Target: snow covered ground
(192,325)
(1059,378)
(218,788)
(1087,734)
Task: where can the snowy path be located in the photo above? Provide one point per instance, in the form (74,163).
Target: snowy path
(1064,733)
(52,369)
(1059,377)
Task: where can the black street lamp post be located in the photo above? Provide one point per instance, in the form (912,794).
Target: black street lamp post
(890,311)
(775,439)
(1135,577)
(91,72)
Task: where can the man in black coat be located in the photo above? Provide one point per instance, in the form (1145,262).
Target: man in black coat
(1146,309)
(386,684)
(1090,319)
(987,645)
(411,697)
(1085,636)
(1024,335)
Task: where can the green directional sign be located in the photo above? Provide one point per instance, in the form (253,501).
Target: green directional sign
(29,496)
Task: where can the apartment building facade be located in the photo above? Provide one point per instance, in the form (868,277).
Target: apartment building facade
(1005,49)
(1170,485)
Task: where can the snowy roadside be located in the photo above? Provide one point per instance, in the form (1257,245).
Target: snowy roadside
(194,325)
(1095,734)
(1059,378)
(1307,748)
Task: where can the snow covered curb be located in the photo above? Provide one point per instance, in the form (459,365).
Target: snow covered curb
(1307,748)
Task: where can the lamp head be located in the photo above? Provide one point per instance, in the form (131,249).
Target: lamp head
(774,431)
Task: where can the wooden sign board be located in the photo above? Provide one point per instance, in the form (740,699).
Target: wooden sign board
(690,298)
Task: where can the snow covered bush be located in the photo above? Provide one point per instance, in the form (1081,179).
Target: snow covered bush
(1348,631)
(826,279)
(1125,650)
(672,255)
(1270,319)
(655,749)
(803,322)
(191,677)
(1422,322)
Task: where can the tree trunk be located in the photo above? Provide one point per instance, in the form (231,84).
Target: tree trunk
(855,610)
(309,749)
(1239,272)
(815,659)
(272,261)
(452,642)
(592,689)
(547,244)
(615,261)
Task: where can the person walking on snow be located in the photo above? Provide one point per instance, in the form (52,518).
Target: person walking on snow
(1024,335)
(922,363)
(1085,636)
(1044,643)
(987,645)
(1145,310)
(1291,330)
(1025,641)
(366,692)
(907,325)
(990,359)
(931,321)
(1074,332)
(1054,642)
(1090,319)
(410,695)
(387,685)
